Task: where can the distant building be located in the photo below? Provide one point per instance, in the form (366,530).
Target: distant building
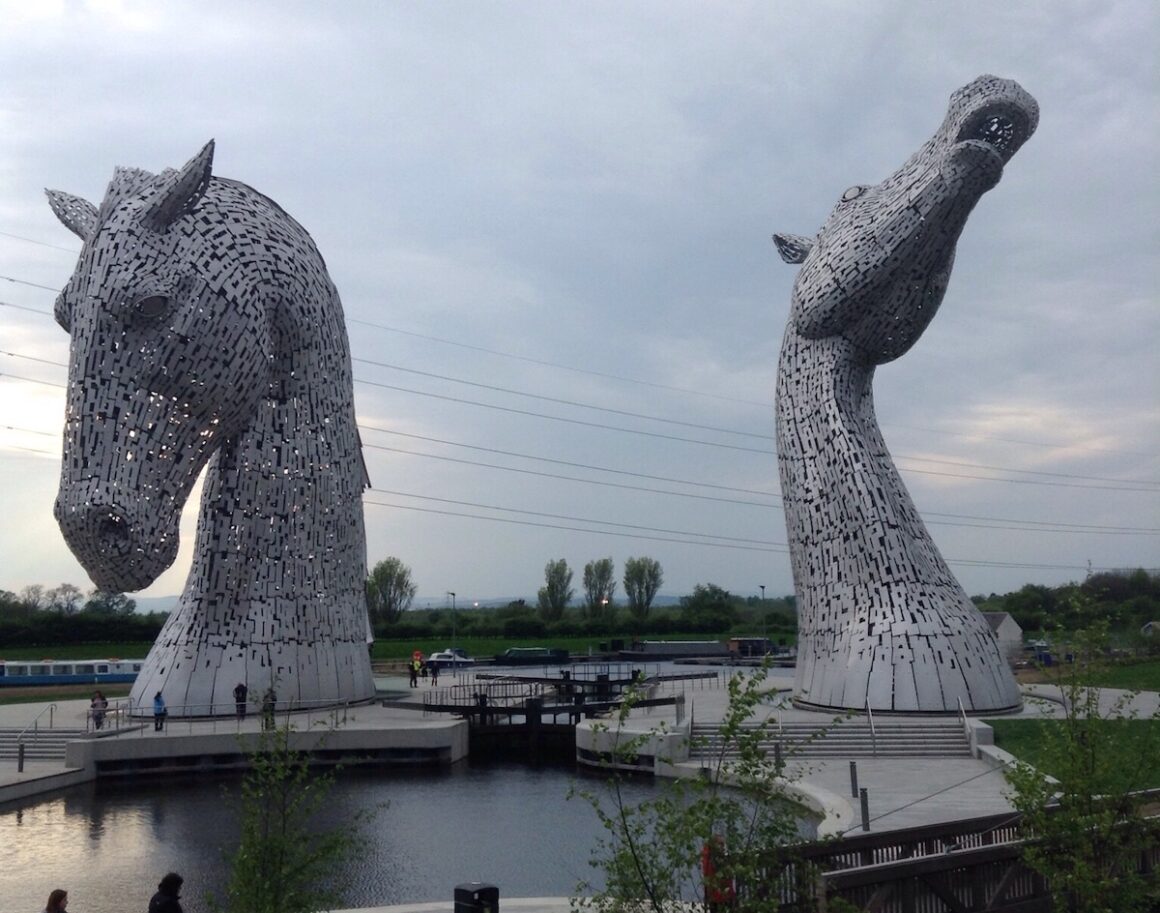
(1009,634)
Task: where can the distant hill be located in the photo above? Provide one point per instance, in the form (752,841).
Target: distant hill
(147,604)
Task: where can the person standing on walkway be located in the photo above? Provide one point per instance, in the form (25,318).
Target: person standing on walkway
(57,901)
(240,692)
(414,669)
(97,708)
(166,900)
(269,704)
(434,674)
(160,712)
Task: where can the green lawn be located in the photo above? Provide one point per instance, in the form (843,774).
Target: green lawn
(1143,675)
(481,647)
(79,651)
(58,693)
(1135,742)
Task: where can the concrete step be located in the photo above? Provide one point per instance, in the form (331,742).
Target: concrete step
(41,745)
(843,740)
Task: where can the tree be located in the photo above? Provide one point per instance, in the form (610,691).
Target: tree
(390,591)
(599,587)
(556,592)
(285,862)
(33,597)
(111,604)
(642,581)
(1083,818)
(66,598)
(709,609)
(708,839)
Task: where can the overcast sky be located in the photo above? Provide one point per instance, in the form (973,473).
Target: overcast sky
(550,225)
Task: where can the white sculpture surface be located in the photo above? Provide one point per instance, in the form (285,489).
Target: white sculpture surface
(204,329)
(882,621)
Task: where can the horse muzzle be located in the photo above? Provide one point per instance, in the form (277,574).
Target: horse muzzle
(122,547)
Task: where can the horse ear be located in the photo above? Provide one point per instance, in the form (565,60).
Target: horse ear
(180,192)
(78,216)
(793,248)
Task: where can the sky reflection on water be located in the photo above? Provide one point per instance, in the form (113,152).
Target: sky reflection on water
(109,844)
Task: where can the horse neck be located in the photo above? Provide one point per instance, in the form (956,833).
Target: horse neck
(837,477)
(281,510)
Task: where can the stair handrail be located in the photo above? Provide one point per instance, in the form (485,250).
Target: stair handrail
(966,725)
(35,724)
(873,730)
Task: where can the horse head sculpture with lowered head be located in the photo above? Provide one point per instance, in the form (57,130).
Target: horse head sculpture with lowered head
(205,330)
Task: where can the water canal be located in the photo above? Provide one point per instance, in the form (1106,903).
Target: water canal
(109,842)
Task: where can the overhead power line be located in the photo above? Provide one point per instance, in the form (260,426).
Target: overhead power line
(1112,484)
(772,550)
(552,364)
(684,390)
(47,288)
(67,250)
(442,340)
(564,402)
(559,418)
(612,523)
(977,522)
(576,529)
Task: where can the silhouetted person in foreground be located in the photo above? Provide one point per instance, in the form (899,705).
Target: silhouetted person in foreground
(168,892)
(57,901)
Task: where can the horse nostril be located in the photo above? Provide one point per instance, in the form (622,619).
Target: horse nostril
(113,529)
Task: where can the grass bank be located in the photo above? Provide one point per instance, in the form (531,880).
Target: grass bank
(1129,747)
(384,649)
(1129,674)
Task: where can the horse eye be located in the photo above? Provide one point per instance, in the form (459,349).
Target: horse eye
(853,193)
(151,307)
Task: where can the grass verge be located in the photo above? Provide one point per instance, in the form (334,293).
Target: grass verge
(1133,741)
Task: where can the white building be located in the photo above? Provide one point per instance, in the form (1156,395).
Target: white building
(1009,634)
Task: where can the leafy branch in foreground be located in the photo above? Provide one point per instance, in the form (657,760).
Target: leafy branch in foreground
(287,860)
(1082,811)
(708,841)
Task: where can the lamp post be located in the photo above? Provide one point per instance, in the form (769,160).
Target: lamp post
(454,655)
(764,639)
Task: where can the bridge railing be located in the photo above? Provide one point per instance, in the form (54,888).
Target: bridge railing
(223,717)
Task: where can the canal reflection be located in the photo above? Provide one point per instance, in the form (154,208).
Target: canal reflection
(109,844)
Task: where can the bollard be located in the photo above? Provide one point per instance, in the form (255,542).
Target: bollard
(20,757)
(865,811)
(854,779)
(476,897)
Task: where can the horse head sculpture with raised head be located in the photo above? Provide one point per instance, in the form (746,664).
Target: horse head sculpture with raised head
(205,330)
(882,621)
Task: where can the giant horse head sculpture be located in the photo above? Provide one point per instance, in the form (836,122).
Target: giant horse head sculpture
(205,330)
(883,623)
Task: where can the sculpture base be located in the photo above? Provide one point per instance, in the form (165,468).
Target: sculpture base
(861,711)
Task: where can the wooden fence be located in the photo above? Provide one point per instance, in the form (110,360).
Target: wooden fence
(969,866)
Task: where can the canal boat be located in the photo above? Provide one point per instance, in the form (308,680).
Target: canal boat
(531,656)
(28,673)
(452,656)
